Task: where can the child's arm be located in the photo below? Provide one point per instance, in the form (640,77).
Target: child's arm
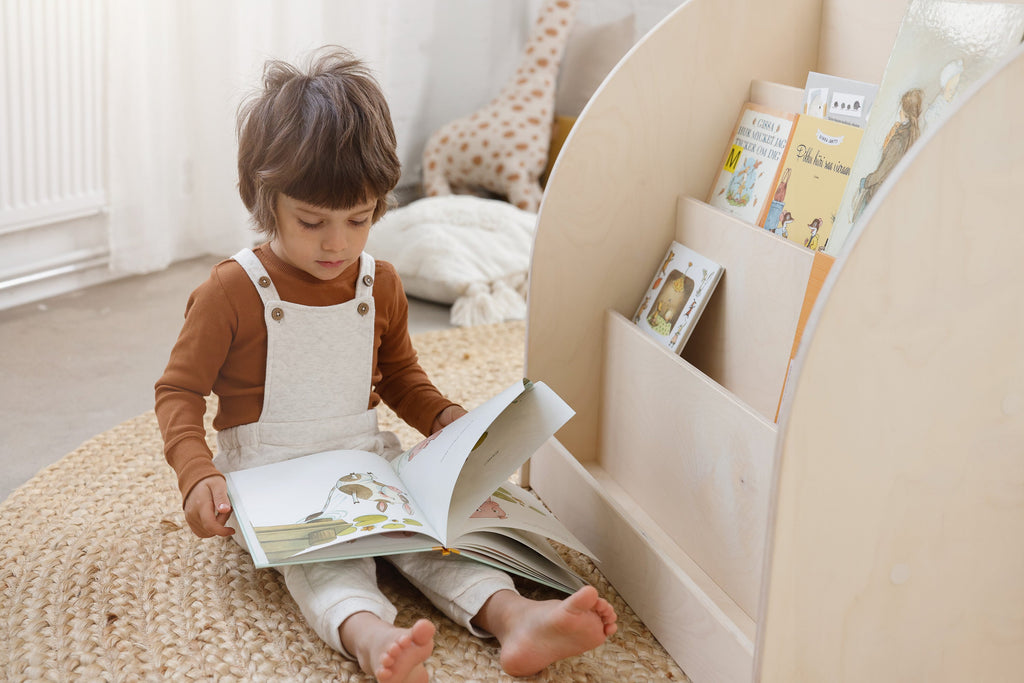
(192,370)
(207,508)
(398,378)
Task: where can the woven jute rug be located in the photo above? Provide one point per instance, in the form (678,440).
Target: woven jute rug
(101,578)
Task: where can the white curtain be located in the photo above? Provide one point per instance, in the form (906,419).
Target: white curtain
(179,68)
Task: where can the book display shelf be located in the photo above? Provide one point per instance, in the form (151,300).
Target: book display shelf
(875,531)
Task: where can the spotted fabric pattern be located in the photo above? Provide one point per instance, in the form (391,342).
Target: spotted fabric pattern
(502,148)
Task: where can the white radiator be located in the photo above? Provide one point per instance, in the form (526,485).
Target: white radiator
(52,144)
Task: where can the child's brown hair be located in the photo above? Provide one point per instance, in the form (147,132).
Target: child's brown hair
(323,136)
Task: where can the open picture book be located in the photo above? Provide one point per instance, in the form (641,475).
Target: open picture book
(450,493)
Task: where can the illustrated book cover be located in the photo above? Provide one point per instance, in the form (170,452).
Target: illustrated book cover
(815,172)
(941,48)
(750,166)
(450,493)
(838,99)
(677,296)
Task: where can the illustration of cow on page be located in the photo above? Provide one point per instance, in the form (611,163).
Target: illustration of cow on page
(353,488)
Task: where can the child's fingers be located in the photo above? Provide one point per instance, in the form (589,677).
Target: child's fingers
(208,508)
(221,502)
(220,509)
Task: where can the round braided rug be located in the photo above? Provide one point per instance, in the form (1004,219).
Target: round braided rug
(101,578)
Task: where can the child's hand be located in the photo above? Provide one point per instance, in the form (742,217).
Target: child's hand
(207,508)
(446,417)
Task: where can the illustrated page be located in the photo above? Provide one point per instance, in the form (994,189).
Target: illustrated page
(513,507)
(320,500)
(433,466)
(530,420)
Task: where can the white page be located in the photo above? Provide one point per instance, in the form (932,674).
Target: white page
(513,507)
(514,436)
(526,555)
(432,468)
(297,492)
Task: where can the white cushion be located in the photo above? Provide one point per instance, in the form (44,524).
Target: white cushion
(471,252)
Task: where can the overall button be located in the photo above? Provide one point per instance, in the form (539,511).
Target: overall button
(264,281)
(363,308)
(277,314)
(367,280)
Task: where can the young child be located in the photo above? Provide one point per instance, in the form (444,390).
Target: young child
(301,338)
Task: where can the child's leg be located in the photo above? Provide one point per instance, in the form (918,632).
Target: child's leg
(344,605)
(328,593)
(533,634)
(456,586)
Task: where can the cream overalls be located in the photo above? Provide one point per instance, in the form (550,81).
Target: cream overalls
(316,396)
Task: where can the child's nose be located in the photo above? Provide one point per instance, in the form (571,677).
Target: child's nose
(334,238)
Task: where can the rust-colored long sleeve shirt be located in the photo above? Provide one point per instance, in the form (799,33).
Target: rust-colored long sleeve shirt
(222,349)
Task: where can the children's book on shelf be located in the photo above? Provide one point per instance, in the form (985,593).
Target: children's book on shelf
(450,493)
(750,166)
(677,295)
(941,48)
(838,99)
(820,267)
(815,171)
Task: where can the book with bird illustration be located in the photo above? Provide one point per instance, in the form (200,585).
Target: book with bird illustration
(449,493)
(677,296)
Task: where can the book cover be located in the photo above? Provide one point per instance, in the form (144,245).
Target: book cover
(677,296)
(838,99)
(820,267)
(815,172)
(750,165)
(449,493)
(941,48)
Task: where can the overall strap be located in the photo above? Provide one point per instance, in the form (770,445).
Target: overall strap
(258,274)
(367,269)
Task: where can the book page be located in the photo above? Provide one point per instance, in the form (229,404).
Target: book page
(511,439)
(321,500)
(432,468)
(513,507)
(524,554)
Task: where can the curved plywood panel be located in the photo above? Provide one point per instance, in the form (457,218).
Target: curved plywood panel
(897,548)
(609,209)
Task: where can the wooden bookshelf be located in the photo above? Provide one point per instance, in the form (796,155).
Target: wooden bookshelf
(873,533)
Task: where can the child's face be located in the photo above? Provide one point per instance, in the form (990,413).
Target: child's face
(321,242)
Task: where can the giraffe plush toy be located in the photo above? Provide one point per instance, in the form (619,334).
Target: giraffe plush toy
(503,147)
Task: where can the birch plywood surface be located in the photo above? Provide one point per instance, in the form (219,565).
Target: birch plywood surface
(744,337)
(897,551)
(698,460)
(655,129)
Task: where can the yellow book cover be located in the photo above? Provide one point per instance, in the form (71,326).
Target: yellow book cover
(815,171)
(750,165)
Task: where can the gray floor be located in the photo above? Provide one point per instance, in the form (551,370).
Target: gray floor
(76,365)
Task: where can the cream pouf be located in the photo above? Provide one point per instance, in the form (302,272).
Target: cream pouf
(467,251)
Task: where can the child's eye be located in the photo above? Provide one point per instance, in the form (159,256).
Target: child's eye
(309,226)
(360,223)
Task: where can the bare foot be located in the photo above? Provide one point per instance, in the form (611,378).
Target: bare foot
(386,652)
(536,634)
